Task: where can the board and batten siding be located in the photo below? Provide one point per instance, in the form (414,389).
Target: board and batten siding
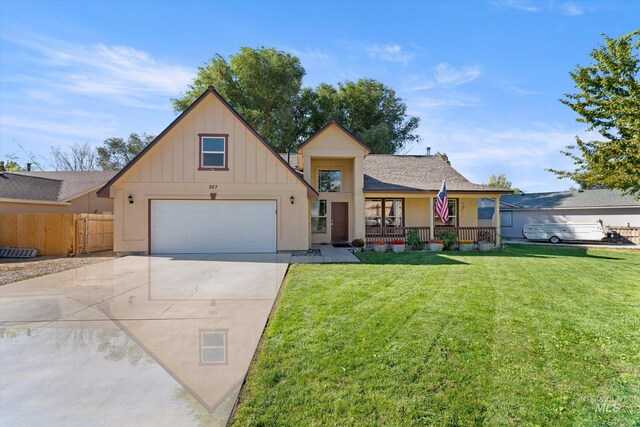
(169,170)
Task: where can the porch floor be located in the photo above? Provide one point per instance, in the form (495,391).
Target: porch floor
(328,254)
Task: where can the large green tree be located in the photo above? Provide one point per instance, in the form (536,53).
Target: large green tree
(368,108)
(10,166)
(263,85)
(608,101)
(115,153)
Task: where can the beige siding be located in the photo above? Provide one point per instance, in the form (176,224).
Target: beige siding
(169,170)
(416,212)
(87,203)
(468,212)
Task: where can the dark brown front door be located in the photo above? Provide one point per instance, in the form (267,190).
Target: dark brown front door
(339,221)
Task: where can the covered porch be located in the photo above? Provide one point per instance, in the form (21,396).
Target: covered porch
(389,216)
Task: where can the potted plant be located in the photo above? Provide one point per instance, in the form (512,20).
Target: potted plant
(397,245)
(357,244)
(413,240)
(465,245)
(436,245)
(449,239)
(379,246)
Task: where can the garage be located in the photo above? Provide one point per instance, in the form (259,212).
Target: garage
(213,226)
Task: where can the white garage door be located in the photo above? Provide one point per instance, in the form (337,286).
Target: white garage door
(212,226)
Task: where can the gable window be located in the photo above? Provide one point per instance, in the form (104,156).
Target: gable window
(383,212)
(506,219)
(213,151)
(213,346)
(329,181)
(453,214)
(319,216)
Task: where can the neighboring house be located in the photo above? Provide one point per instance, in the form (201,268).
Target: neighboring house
(579,206)
(210,183)
(53,192)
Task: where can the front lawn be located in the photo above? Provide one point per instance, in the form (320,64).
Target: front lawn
(535,335)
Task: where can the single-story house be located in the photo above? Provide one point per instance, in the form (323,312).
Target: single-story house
(210,183)
(54,192)
(614,209)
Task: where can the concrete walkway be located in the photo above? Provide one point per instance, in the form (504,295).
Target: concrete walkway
(328,254)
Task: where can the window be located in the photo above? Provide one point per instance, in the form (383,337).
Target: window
(319,216)
(373,212)
(453,213)
(389,216)
(213,151)
(506,219)
(213,346)
(329,181)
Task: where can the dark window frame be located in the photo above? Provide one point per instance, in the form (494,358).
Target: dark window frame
(201,136)
(457,216)
(327,169)
(383,213)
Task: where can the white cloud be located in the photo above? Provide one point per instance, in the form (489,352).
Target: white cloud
(443,101)
(571,9)
(447,75)
(522,153)
(523,5)
(123,72)
(389,53)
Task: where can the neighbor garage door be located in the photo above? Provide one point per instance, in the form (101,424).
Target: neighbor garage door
(212,226)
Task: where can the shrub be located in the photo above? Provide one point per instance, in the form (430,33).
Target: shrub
(413,239)
(448,238)
(358,243)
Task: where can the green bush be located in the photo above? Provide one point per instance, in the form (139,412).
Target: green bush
(449,238)
(413,240)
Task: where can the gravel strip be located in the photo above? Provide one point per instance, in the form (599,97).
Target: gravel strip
(16,269)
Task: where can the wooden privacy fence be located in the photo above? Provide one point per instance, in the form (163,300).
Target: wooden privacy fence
(94,233)
(57,234)
(625,234)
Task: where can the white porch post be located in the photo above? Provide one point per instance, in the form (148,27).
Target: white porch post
(432,232)
(496,215)
(358,198)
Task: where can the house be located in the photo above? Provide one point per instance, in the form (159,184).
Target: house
(53,192)
(614,209)
(210,183)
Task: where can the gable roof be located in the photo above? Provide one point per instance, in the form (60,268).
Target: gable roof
(409,173)
(104,191)
(342,128)
(600,198)
(51,186)
(396,173)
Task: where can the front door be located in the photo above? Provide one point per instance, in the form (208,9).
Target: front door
(339,221)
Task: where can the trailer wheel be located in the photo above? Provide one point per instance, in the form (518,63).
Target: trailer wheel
(554,240)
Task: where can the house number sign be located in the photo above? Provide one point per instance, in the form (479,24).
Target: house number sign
(213,186)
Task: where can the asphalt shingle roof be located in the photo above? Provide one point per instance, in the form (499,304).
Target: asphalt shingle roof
(569,199)
(50,186)
(387,172)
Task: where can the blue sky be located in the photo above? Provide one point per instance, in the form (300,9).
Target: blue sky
(483,76)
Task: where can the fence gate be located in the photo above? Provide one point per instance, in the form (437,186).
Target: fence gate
(94,233)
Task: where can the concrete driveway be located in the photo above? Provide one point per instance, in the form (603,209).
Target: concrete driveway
(161,340)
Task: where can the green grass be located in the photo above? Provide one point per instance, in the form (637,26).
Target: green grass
(532,336)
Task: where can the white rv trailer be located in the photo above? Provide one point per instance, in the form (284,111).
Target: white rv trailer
(567,231)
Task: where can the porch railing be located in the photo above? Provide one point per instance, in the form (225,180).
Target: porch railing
(476,234)
(387,234)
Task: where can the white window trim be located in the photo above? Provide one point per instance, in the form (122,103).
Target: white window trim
(223,152)
(223,347)
(326,216)
(329,169)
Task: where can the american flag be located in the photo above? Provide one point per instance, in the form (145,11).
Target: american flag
(442,204)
